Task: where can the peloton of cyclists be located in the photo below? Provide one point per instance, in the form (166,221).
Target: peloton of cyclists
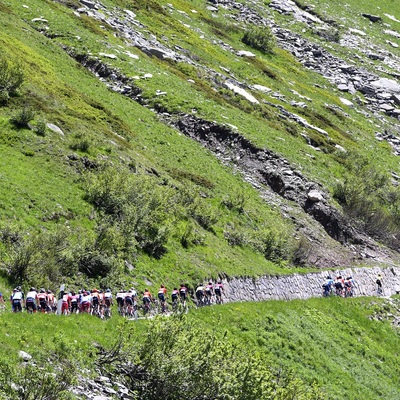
(84,301)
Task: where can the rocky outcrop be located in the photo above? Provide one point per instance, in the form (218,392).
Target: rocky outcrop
(305,286)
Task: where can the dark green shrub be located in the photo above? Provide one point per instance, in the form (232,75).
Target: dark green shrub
(40,128)
(82,145)
(260,38)
(22,118)
(4,97)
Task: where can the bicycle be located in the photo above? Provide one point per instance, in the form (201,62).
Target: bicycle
(175,305)
(328,291)
(131,311)
(107,312)
(29,307)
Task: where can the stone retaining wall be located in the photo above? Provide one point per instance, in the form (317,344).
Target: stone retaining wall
(304,286)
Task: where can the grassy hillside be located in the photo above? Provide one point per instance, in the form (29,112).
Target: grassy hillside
(101,186)
(321,348)
(52,178)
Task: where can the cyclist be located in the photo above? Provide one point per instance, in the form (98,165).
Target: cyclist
(209,292)
(200,294)
(379,283)
(2,304)
(42,300)
(66,303)
(349,287)
(147,299)
(130,300)
(219,289)
(31,300)
(162,292)
(85,302)
(120,301)
(51,301)
(17,299)
(74,303)
(108,301)
(327,286)
(183,294)
(174,298)
(95,301)
(339,286)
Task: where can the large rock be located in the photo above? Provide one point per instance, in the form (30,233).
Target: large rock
(386,84)
(24,355)
(315,195)
(241,92)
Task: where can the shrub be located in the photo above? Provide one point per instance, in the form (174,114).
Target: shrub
(4,97)
(33,382)
(177,359)
(11,78)
(260,38)
(136,205)
(22,118)
(368,198)
(82,145)
(330,34)
(235,200)
(40,128)
(42,258)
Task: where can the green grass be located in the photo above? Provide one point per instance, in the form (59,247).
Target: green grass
(102,125)
(331,342)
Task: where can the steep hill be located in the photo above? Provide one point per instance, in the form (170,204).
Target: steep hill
(196,139)
(153,142)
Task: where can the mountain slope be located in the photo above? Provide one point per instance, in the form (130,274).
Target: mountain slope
(157,70)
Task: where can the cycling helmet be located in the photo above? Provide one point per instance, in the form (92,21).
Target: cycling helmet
(108,290)
(48,291)
(162,286)
(32,289)
(18,288)
(42,290)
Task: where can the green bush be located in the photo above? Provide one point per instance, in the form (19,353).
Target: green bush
(82,145)
(11,78)
(40,128)
(33,382)
(260,38)
(176,359)
(22,118)
(369,198)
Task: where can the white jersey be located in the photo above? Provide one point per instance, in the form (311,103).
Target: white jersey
(17,296)
(31,295)
(86,299)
